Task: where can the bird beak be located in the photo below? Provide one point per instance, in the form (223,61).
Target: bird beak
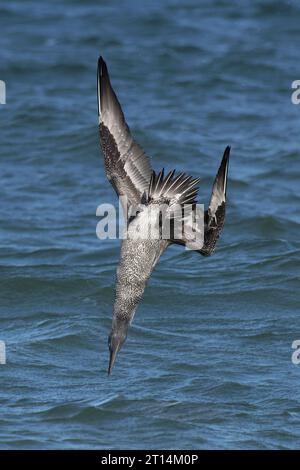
(112,358)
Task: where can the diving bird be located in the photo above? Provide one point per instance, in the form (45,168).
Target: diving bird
(129,171)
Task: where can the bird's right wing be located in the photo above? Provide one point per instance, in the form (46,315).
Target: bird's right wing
(127,167)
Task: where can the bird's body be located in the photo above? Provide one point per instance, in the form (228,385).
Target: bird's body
(137,261)
(155,206)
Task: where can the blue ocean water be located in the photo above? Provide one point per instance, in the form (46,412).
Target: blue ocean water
(207,363)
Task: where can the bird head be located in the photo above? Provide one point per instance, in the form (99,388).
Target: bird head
(116,338)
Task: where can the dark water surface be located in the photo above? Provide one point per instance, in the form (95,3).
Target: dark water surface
(207,363)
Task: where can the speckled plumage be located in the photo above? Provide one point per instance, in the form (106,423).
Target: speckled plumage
(129,171)
(137,261)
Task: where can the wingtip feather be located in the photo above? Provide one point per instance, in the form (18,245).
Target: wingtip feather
(103,86)
(224,166)
(102,67)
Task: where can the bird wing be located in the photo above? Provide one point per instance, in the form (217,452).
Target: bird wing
(214,217)
(126,164)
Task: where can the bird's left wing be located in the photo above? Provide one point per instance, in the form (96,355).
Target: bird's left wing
(127,166)
(203,237)
(215,215)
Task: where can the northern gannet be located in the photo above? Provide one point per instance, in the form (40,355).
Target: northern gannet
(129,171)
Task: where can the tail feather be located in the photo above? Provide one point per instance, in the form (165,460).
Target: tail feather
(182,189)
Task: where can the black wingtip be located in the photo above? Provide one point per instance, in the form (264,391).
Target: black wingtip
(223,171)
(227,152)
(102,80)
(225,160)
(102,67)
